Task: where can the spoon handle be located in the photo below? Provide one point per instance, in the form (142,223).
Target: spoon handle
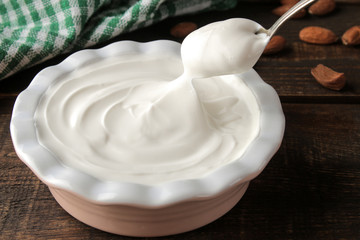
(297,7)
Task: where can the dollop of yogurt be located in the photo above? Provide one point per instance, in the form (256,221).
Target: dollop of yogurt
(226,47)
(153,117)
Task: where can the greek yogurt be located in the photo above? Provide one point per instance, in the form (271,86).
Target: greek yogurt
(156,117)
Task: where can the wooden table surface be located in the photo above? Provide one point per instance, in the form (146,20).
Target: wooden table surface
(309,190)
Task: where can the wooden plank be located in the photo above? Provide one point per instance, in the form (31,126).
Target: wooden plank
(289,72)
(310,189)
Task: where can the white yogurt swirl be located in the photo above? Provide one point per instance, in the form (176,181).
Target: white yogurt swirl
(137,118)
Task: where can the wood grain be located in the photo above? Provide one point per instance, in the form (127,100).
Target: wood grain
(309,190)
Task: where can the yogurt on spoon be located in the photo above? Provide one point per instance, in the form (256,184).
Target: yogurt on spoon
(226,47)
(138,118)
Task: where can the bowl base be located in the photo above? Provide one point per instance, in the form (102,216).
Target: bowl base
(140,221)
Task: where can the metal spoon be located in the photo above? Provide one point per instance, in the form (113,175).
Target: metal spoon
(297,7)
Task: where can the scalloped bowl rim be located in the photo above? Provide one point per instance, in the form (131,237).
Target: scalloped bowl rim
(53,173)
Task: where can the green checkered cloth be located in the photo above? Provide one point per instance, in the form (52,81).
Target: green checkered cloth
(32,31)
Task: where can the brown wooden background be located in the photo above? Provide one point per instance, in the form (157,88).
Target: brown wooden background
(309,190)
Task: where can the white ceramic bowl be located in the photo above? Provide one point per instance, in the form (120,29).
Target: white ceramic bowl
(135,209)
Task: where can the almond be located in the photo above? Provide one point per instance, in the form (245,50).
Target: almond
(279,11)
(181,30)
(328,77)
(352,36)
(317,35)
(322,7)
(275,45)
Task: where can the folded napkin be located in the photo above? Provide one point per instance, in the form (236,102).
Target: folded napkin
(32,31)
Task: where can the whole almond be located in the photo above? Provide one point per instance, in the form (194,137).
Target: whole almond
(275,45)
(322,7)
(181,30)
(279,11)
(351,36)
(317,35)
(328,77)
